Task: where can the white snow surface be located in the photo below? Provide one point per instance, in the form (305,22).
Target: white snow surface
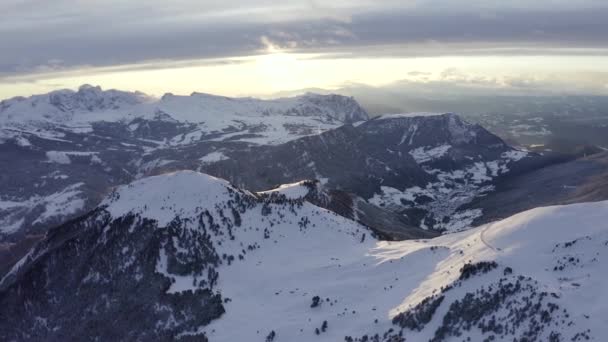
(425,153)
(65,202)
(213,157)
(271,290)
(515,155)
(163,197)
(246,119)
(408,115)
(363,280)
(63,157)
(293,190)
(377,280)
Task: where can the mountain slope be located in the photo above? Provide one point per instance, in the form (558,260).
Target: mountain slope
(61,152)
(66,107)
(164,238)
(580,180)
(102,139)
(421,167)
(529,277)
(206,259)
(195,117)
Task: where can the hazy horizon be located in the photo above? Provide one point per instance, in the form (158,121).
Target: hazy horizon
(260,48)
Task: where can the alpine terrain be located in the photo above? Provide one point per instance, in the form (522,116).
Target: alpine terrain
(186,256)
(302,170)
(134,218)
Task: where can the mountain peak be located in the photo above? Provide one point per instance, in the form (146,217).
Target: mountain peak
(345,108)
(93,98)
(166,196)
(88,87)
(330,107)
(61,106)
(431,128)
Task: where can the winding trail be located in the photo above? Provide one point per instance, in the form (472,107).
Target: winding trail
(483,237)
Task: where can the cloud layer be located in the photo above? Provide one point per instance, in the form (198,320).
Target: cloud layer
(52,35)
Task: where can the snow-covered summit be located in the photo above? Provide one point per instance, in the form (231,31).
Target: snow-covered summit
(93,98)
(166,196)
(331,107)
(198,115)
(63,106)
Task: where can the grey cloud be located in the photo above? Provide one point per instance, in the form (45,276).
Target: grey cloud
(64,34)
(457,84)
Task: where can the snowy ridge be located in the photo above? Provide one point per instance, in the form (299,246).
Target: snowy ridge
(503,279)
(257,121)
(294,190)
(340,108)
(65,106)
(408,115)
(161,198)
(397,277)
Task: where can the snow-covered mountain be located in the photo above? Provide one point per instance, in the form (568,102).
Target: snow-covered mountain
(63,151)
(67,107)
(404,176)
(423,167)
(202,116)
(186,256)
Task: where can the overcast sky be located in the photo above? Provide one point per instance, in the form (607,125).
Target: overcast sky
(231,46)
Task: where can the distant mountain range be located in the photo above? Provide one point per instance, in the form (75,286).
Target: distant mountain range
(405,176)
(63,151)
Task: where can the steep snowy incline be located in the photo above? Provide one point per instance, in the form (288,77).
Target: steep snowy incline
(537,275)
(167,238)
(207,259)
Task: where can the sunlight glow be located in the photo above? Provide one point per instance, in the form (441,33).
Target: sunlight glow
(280,71)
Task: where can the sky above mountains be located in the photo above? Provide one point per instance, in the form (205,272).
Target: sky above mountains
(263,47)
